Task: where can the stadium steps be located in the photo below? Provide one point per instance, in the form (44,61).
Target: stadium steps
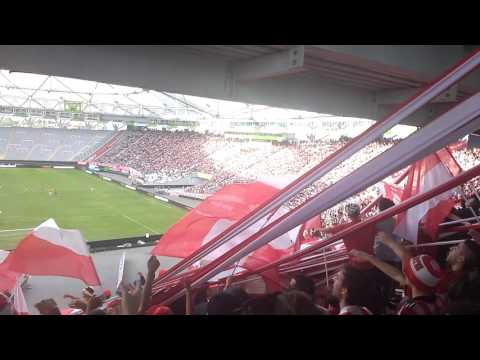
(32,150)
(105,147)
(85,148)
(57,150)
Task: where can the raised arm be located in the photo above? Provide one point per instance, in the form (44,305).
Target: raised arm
(401,251)
(228,282)
(153,265)
(384,267)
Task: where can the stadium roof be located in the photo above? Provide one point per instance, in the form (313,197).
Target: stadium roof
(52,92)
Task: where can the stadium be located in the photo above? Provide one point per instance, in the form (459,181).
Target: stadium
(232,204)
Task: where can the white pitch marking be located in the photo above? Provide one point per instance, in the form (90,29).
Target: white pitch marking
(138,223)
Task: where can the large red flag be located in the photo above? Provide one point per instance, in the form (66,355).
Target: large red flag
(392,192)
(49,250)
(305,235)
(218,212)
(423,176)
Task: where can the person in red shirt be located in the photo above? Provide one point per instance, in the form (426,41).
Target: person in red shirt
(421,274)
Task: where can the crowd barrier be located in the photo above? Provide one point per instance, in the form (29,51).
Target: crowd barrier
(112,244)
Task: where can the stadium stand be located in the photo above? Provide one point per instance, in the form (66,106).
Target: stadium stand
(353,291)
(393,261)
(175,155)
(19,143)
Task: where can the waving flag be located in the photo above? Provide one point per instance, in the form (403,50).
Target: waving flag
(423,176)
(49,250)
(305,235)
(392,192)
(216,214)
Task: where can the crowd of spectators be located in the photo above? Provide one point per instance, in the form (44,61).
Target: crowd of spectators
(380,267)
(410,283)
(175,155)
(384,275)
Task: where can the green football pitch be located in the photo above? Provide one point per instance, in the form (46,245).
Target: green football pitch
(99,209)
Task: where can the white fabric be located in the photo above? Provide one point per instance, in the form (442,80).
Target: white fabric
(70,239)
(408,227)
(19,303)
(3,255)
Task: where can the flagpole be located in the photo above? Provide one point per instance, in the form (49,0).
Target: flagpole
(466,115)
(425,95)
(405,205)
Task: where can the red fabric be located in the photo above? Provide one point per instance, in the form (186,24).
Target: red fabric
(435,216)
(424,175)
(446,157)
(158,310)
(459,145)
(36,256)
(232,202)
(264,256)
(392,192)
(314,223)
(360,240)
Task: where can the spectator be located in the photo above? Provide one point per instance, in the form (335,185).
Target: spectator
(383,252)
(421,274)
(222,304)
(295,302)
(303,283)
(354,291)
(48,307)
(261,305)
(462,281)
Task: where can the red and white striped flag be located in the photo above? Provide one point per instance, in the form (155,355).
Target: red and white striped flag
(423,176)
(49,250)
(392,192)
(216,214)
(305,235)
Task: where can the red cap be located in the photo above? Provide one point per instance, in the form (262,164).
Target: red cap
(423,272)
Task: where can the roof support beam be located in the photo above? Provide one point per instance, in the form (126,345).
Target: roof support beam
(268,66)
(397,96)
